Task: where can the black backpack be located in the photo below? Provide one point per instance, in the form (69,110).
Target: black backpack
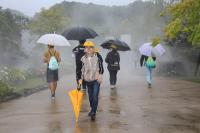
(114,61)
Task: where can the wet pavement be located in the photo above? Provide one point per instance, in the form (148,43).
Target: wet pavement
(170,106)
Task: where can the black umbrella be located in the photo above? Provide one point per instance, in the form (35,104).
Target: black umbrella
(120,45)
(79,33)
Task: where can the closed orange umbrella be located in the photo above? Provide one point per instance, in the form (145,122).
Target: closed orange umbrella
(76,98)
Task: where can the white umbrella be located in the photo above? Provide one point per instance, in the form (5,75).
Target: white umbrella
(158,50)
(53,39)
(145,49)
(148,50)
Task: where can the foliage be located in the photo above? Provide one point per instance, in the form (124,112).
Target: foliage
(4,89)
(185,18)
(138,18)
(13,76)
(48,21)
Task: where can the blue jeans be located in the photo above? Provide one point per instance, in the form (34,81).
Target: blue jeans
(93,92)
(149,75)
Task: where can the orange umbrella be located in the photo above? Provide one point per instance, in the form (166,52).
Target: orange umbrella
(76,98)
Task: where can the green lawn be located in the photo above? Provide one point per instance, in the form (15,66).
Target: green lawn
(30,83)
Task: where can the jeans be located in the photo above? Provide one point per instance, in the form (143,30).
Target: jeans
(93,92)
(149,75)
(113,76)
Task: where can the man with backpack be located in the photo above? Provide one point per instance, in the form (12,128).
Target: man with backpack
(52,58)
(113,60)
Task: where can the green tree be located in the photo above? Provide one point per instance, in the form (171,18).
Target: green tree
(184,24)
(185,19)
(48,21)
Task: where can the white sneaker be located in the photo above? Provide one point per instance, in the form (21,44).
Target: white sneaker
(112,86)
(53,98)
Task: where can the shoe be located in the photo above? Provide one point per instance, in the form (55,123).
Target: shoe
(90,113)
(149,85)
(112,86)
(93,116)
(53,96)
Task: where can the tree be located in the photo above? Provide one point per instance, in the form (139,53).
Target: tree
(185,19)
(184,25)
(48,21)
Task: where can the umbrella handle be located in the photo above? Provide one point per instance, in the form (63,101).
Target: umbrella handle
(79,87)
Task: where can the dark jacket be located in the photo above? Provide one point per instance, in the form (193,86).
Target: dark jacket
(144,58)
(79,53)
(113,60)
(100,64)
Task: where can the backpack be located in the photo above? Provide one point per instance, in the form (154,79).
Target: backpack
(53,63)
(150,62)
(114,62)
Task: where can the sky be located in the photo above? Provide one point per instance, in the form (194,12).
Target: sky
(30,7)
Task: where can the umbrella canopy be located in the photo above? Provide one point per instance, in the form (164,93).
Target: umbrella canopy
(53,39)
(79,33)
(76,98)
(148,50)
(120,45)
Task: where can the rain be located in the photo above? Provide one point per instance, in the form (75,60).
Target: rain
(155,90)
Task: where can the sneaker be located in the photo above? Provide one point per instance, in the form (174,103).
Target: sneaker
(53,96)
(90,113)
(149,85)
(93,116)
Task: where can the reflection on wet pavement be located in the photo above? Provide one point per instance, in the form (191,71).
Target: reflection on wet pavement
(170,106)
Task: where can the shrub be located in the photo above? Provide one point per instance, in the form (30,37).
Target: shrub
(4,89)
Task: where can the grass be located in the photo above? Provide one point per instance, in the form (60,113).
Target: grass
(30,83)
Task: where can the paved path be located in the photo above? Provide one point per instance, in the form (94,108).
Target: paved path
(170,106)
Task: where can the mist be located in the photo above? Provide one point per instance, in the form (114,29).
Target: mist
(136,23)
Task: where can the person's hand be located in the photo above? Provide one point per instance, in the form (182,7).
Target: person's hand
(99,79)
(80,81)
(79,84)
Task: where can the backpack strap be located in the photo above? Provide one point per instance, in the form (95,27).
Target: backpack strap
(52,54)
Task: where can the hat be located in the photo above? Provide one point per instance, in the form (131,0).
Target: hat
(89,44)
(113,46)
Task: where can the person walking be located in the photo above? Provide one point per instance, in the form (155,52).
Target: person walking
(144,62)
(91,72)
(52,58)
(79,53)
(113,61)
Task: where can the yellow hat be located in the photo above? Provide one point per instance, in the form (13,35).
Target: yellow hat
(113,46)
(89,44)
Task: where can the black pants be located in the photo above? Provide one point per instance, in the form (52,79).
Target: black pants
(113,76)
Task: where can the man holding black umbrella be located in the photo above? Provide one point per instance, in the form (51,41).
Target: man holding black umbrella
(79,53)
